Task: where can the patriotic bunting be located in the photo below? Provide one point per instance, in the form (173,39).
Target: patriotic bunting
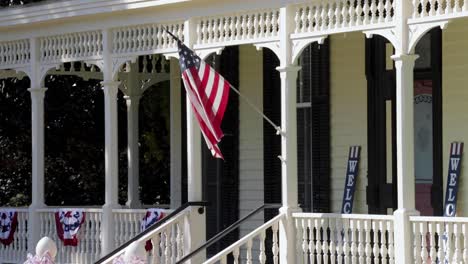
(8,224)
(152,217)
(68,224)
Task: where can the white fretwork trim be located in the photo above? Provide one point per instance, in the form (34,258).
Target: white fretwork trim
(146,39)
(236,29)
(71,47)
(332,15)
(14,54)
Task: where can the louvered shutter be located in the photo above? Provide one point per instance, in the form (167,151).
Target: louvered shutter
(271,141)
(221,178)
(320,122)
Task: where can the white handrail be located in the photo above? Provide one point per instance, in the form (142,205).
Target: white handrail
(343,216)
(244,240)
(163,230)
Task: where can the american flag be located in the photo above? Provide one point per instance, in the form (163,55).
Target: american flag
(208,93)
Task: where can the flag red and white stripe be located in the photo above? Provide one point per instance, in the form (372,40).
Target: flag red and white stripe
(208,93)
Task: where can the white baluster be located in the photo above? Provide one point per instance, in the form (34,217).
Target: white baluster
(248,256)
(367,248)
(417,242)
(388,10)
(365,12)
(465,243)
(298,21)
(346,240)
(275,247)
(323,15)
(325,246)
(332,238)
(156,240)
(432,248)
(449,233)
(338,18)
(383,240)
(465,5)
(331,12)
(235,255)
(304,244)
(391,247)
(340,242)
(303,19)
(456,246)
(311,242)
(441,242)
(318,238)
(424,253)
(262,255)
(448,7)
(360,226)
(376,227)
(354,250)
(352,13)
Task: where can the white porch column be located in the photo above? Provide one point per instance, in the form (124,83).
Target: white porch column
(196,227)
(176,135)
(37,130)
(37,137)
(133,194)
(111,89)
(404,65)
(111,165)
(289,182)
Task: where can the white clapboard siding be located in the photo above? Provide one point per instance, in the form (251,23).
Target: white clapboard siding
(251,137)
(455,96)
(348,115)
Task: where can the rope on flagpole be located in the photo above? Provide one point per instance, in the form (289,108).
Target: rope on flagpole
(277,128)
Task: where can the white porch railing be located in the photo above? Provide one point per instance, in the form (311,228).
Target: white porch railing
(440,239)
(246,244)
(339,238)
(18,248)
(89,246)
(167,240)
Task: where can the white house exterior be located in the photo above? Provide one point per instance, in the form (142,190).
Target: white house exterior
(366,42)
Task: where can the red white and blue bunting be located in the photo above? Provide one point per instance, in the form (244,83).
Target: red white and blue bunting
(68,224)
(152,216)
(8,224)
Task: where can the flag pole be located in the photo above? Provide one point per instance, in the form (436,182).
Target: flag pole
(277,128)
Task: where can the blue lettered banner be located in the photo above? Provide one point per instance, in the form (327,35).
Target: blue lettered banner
(351,176)
(456,151)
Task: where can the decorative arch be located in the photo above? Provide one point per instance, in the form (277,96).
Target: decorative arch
(300,44)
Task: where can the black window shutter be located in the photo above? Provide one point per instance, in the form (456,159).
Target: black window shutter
(320,121)
(221,178)
(271,141)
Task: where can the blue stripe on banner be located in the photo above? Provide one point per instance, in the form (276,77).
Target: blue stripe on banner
(352,172)
(456,151)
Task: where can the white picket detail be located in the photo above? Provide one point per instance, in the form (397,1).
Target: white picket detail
(434,8)
(89,242)
(71,47)
(14,53)
(440,239)
(127,224)
(167,239)
(337,238)
(244,244)
(146,39)
(316,16)
(254,26)
(17,250)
